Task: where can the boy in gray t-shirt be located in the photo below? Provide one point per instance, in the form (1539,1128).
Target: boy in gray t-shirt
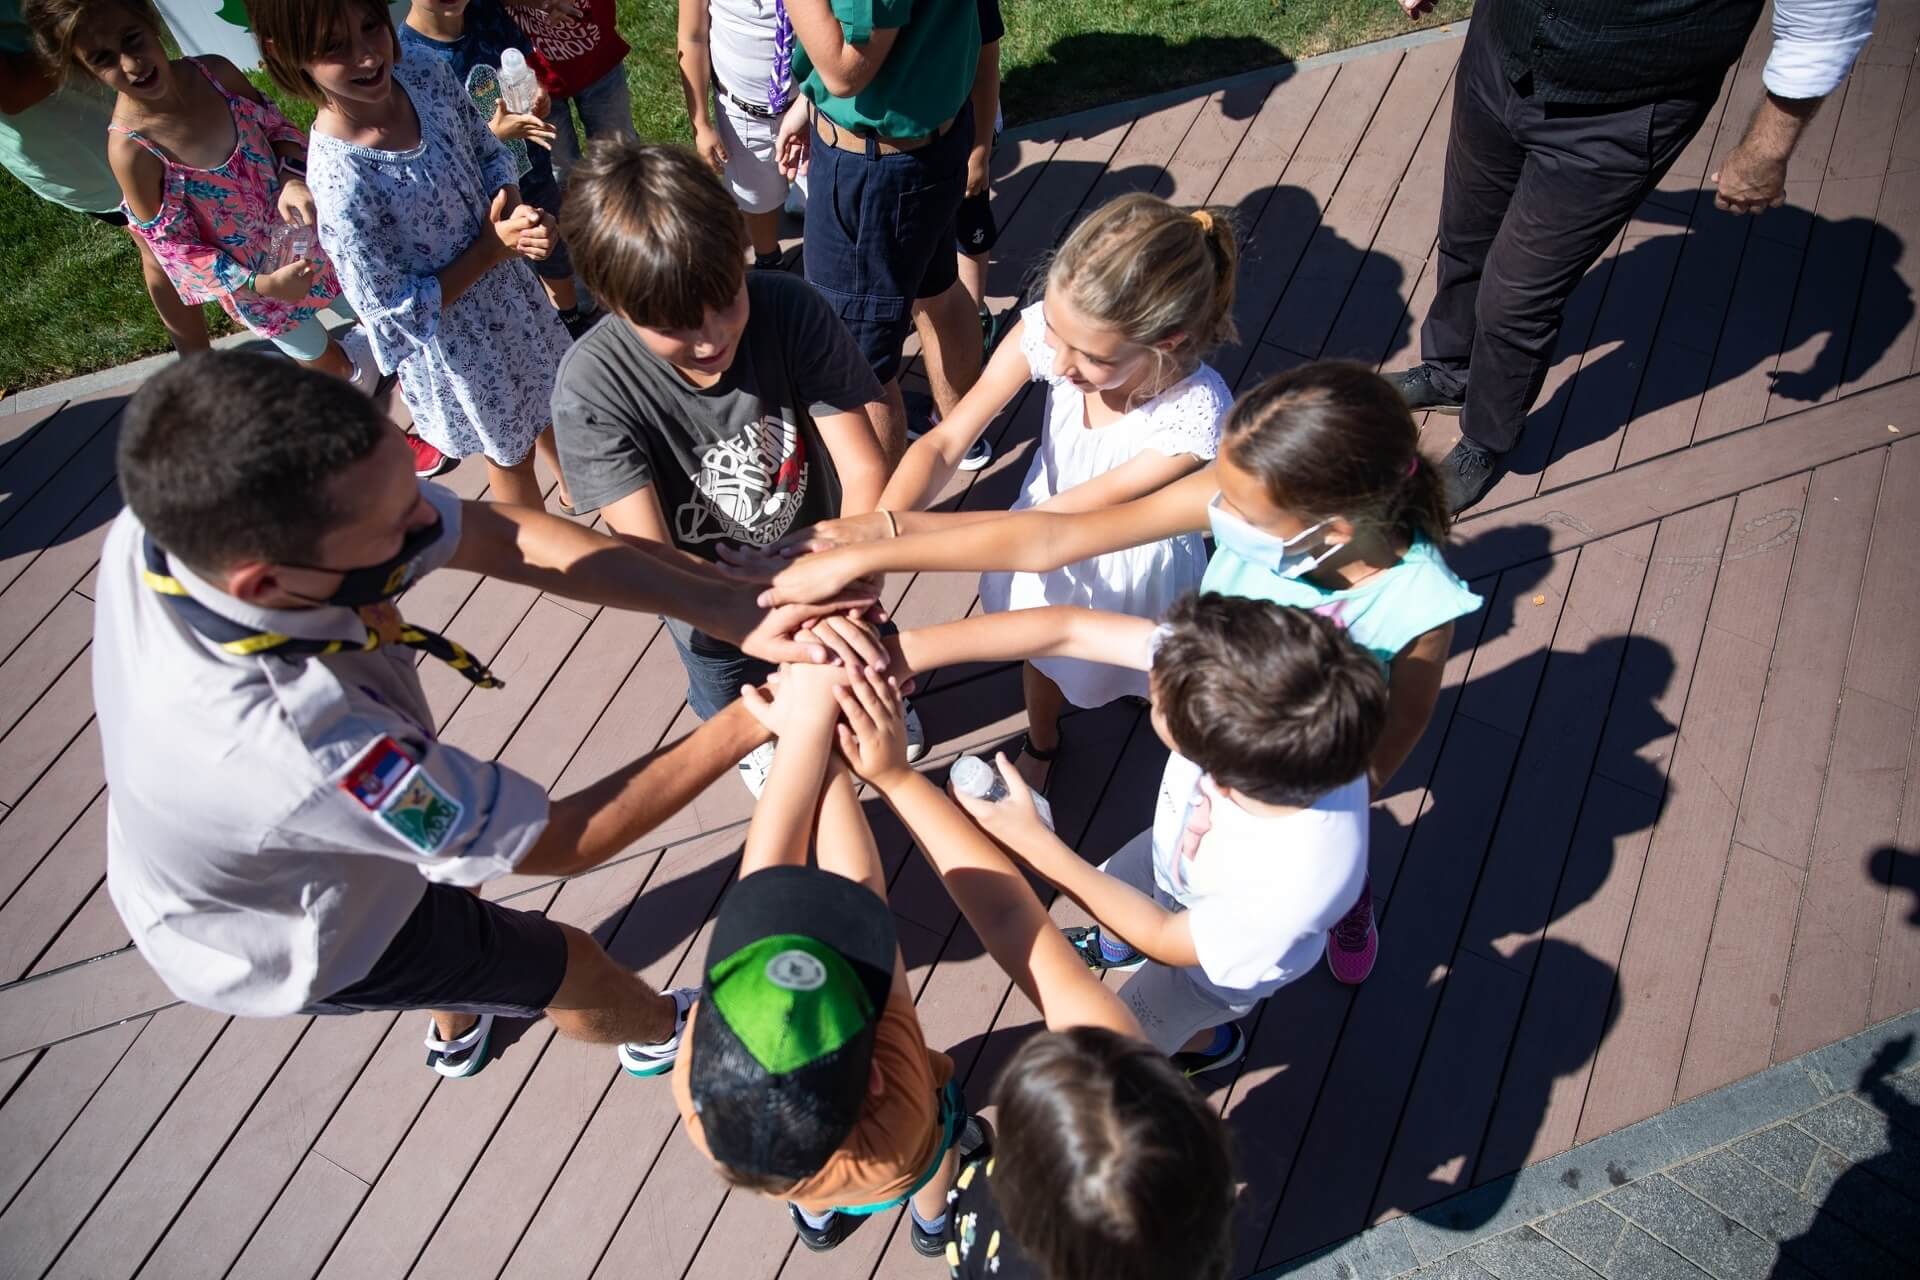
(713,405)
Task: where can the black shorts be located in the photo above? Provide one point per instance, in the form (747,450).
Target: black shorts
(974,232)
(112,217)
(460,953)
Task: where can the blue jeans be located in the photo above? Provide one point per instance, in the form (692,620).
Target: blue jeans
(715,669)
(605,110)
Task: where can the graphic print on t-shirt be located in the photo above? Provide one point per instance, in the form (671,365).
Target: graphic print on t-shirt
(749,488)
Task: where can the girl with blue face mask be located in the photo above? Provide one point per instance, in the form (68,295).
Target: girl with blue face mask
(1320,499)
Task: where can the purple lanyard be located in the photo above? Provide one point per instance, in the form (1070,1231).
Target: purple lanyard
(780,82)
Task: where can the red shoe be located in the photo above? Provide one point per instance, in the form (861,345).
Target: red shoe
(1354,943)
(428,461)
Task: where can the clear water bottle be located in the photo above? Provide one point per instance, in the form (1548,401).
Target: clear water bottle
(289,244)
(517,85)
(972,776)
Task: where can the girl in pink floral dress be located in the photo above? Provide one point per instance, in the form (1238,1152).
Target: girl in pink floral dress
(208,169)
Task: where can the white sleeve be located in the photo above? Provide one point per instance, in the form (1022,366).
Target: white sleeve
(1815,43)
(1033,343)
(1190,421)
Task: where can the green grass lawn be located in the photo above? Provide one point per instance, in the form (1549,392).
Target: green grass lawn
(71,299)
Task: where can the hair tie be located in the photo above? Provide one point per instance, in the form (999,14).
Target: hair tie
(1205,220)
(1413,466)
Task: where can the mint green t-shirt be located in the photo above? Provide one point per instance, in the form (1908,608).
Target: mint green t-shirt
(58,146)
(1382,614)
(926,78)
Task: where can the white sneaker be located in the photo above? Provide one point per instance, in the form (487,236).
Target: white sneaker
(359,351)
(657,1059)
(916,736)
(463,1055)
(757,764)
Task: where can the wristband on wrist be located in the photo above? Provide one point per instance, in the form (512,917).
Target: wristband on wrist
(893,525)
(247,284)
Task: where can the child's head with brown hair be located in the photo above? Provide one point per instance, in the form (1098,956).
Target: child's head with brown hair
(1275,703)
(1331,444)
(1140,293)
(657,238)
(1109,1163)
(117,41)
(327,49)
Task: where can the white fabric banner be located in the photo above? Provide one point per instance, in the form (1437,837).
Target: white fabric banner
(220,26)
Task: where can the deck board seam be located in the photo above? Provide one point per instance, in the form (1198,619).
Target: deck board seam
(1826,770)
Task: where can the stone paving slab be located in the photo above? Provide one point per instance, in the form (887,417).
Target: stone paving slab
(1809,1170)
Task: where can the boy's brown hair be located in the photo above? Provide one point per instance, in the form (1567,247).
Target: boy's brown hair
(56,25)
(654,234)
(293,33)
(1273,702)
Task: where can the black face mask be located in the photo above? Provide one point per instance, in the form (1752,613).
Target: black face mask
(375,583)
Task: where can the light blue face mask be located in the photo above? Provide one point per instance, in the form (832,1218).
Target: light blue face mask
(1257,546)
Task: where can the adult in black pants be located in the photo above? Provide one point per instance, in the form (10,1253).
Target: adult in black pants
(1566,114)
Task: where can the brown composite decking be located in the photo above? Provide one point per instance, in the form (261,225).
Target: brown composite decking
(1662,830)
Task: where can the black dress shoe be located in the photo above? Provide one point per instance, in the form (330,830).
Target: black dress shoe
(1467,471)
(1416,386)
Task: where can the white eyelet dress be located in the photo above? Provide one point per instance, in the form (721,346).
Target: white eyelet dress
(1142,581)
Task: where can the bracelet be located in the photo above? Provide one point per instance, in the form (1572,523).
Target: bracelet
(247,284)
(893,526)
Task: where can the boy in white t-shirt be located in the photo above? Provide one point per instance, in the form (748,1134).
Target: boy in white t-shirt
(1259,835)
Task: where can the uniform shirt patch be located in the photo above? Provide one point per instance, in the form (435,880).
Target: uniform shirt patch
(377,773)
(420,812)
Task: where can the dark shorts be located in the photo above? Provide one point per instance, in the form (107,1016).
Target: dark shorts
(462,954)
(974,232)
(112,217)
(880,234)
(715,669)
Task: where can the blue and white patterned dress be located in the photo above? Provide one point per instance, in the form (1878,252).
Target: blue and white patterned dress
(476,374)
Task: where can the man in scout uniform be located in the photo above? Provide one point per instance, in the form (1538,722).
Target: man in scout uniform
(285,833)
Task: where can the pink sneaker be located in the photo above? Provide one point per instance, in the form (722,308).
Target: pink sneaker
(1353,943)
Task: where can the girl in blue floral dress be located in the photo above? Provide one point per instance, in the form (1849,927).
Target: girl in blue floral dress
(419,212)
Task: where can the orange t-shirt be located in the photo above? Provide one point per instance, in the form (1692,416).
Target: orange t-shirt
(894,1140)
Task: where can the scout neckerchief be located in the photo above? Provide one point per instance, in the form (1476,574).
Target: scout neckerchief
(383,622)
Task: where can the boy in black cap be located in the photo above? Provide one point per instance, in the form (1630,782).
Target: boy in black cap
(804,1073)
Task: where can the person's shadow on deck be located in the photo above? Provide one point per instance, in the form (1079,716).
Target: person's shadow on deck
(1854,319)
(1466,1024)
(1874,1197)
(56,480)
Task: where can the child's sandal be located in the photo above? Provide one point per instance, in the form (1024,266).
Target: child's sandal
(1044,757)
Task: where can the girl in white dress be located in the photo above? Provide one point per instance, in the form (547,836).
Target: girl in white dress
(1136,297)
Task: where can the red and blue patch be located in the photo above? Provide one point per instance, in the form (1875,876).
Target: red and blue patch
(373,778)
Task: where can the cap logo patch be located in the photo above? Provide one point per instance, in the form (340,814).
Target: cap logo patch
(796,971)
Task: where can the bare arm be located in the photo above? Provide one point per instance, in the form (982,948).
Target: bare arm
(844,841)
(637,519)
(490,248)
(783,818)
(696,64)
(559,556)
(1138,476)
(1411,693)
(1033,541)
(141,176)
(1154,931)
(1056,631)
(596,823)
(845,67)
(857,459)
(986,106)
(934,457)
(995,898)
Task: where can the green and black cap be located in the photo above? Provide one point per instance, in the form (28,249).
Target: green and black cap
(797,978)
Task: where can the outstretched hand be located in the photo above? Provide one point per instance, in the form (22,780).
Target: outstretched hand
(1008,820)
(819,576)
(874,735)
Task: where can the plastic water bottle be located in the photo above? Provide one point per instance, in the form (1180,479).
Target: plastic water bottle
(288,244)
(517,85)
(972,776)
